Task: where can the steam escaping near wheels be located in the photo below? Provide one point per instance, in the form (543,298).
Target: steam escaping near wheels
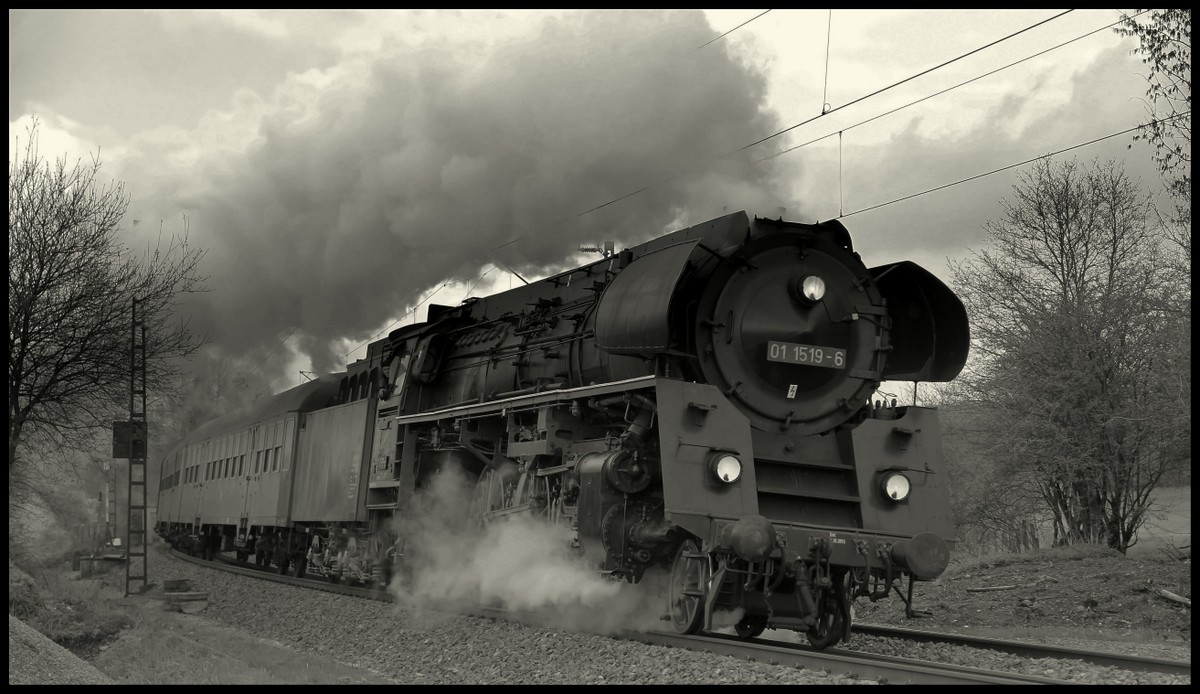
(515,563)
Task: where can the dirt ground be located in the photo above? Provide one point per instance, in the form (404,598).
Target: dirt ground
(1083,592)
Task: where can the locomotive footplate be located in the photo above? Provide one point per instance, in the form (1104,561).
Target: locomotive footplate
(924,555)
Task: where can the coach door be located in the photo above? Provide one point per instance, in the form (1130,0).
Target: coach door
(253,472)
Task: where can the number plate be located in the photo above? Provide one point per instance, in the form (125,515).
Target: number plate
(811,355)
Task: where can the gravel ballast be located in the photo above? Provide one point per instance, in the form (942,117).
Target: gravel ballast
(419,646)
(409,645)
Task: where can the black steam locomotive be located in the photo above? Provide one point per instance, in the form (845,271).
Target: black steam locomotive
(701,402)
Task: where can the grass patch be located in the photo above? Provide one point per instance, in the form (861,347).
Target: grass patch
(156,652)
(960,564)
(73,614)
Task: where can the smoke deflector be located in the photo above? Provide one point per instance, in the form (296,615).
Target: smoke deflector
(632,315)
(929,331)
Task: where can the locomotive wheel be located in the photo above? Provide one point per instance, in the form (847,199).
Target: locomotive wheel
(750,627)
(832,624)
(685,594)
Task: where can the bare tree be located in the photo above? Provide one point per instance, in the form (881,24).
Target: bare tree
(71,284)
(1165,42)
(1081,362)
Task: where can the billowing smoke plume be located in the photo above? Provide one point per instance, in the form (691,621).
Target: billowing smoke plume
(329,206)
(518,563)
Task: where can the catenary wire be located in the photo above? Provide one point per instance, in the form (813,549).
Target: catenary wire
(906,79)
(838,108)
(733,29)
(1010,166)
(825,89)
(948,89)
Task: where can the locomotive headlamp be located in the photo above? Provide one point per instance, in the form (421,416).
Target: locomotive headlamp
(813,288)
(896,486)
(725,467)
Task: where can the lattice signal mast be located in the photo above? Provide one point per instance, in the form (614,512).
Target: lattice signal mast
(136,561)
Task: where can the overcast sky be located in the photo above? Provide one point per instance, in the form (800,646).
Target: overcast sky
(338,166)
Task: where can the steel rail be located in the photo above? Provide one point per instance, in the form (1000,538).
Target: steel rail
(885,668)
(1024,649)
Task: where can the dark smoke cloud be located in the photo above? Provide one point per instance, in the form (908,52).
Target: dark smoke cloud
(367,183)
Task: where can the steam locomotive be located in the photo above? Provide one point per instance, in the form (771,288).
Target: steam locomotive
(700,403)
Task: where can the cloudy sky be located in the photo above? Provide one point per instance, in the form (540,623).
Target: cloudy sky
(339,166)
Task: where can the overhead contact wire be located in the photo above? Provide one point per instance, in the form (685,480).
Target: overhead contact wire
(1011,166)
(906,79)
(948,89)
(851,103)
(733,29)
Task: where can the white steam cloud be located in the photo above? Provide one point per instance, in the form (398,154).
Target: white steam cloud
(518,563)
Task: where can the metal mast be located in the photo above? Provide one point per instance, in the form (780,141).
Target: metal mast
(135,525)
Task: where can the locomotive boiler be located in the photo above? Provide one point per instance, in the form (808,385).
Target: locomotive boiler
(699,403)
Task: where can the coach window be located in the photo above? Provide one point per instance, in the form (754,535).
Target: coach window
(278,452)
(342,391)
(352,394)
(242,465)
(364,385)
(374,384)
(257,461)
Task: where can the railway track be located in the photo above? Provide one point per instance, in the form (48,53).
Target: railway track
(1034,650)
(862,665)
